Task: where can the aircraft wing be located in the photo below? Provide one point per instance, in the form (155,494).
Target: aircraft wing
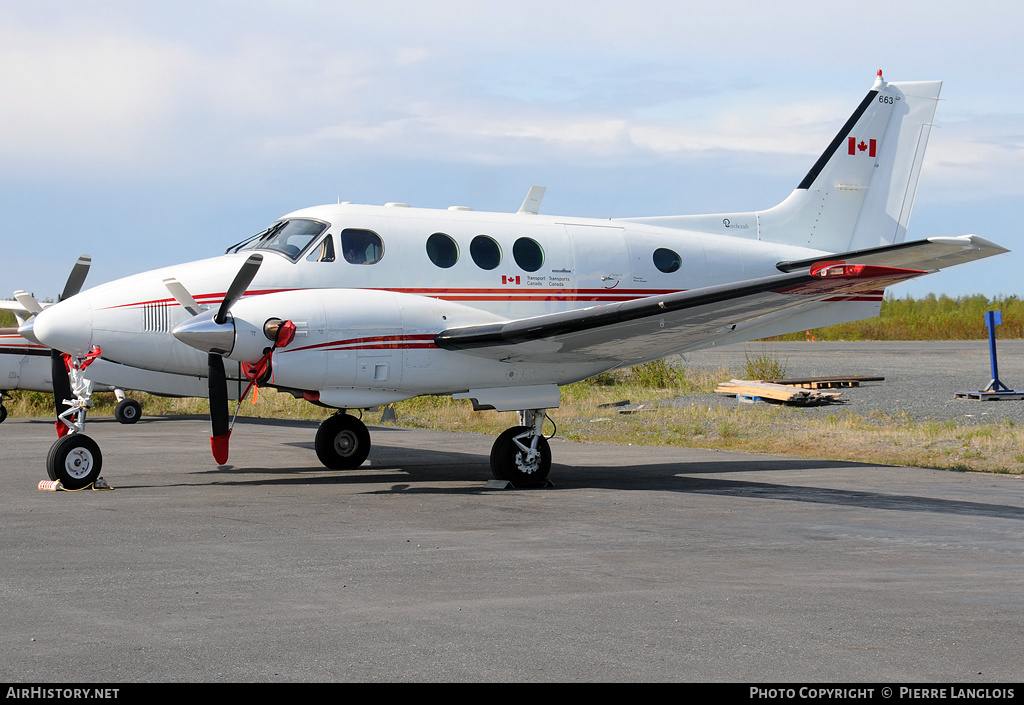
(655,326)
(20,311)
(643,329)
(14,306)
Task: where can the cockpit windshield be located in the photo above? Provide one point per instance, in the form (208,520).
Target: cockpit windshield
(289,237)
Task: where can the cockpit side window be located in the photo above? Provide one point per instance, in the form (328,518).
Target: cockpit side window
(324,252)
(361,246)
(289,237)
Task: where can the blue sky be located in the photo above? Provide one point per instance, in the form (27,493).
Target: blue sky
(149,133)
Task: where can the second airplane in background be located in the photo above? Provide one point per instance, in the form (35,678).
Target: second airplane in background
(26,365)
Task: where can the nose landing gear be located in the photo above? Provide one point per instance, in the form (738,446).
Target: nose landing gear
(75,459)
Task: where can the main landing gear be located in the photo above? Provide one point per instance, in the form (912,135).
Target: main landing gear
(521,455)
(342,442)
(127,411)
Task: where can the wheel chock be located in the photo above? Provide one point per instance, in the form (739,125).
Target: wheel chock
(55,486)
(506,485)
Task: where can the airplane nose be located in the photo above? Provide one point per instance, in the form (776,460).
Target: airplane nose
(66,326)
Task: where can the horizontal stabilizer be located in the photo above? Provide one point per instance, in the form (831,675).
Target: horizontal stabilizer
(931,255)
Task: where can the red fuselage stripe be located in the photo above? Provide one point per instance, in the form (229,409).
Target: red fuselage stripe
(421,340)
(506,294)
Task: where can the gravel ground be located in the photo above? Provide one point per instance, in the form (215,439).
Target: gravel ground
(921,378)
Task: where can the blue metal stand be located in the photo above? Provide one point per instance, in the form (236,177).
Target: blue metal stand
(995,389)
(993,319)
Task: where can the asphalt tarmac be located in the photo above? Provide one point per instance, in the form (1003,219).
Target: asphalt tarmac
(640,564)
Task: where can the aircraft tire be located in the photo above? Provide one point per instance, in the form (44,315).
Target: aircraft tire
(75,460)
(128,411)
(342,442)
(3,413)
(507,460)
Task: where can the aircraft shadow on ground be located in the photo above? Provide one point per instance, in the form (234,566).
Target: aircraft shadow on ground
(426,468)
(429,467)
(796,493)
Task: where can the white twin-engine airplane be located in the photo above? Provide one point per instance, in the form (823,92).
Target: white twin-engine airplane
(353,306)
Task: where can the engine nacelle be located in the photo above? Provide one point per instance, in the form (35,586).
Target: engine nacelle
(353,346)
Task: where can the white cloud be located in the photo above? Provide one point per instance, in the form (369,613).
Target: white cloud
(85,95)
(978,158)
(108,99)
(456,83)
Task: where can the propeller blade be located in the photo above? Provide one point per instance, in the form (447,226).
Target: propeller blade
(219,417)
(61,387)
(28,301)
(182,296)
(77,277)
(238,286)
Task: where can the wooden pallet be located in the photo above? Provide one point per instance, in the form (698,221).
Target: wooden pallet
(990,396)
(776,392)
(826,382)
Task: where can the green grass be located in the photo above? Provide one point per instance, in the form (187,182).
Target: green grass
(874,437)
(763,365)
(929,318)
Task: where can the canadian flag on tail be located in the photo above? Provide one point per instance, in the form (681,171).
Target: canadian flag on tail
(862,146)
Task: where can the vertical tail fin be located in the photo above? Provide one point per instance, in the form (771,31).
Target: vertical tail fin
(860,192)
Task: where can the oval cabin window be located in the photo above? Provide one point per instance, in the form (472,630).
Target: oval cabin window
(442,250)
(485,252)
(528,254)
(666,260)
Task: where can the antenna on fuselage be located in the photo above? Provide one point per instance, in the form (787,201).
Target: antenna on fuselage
(533,199)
